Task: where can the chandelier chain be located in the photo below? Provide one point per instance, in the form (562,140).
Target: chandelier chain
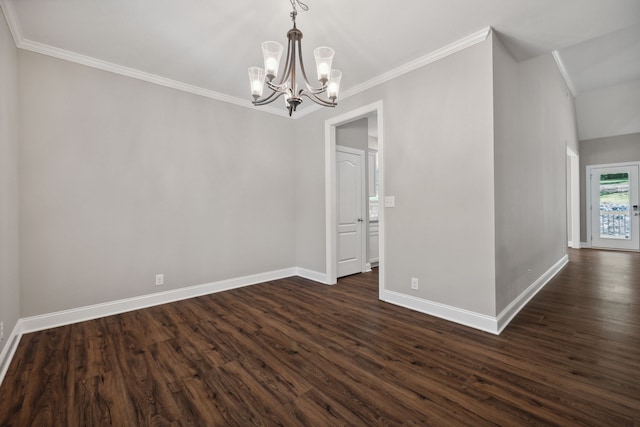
(300,4)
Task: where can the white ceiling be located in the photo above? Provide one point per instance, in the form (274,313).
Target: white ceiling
(604,61)
(210,44)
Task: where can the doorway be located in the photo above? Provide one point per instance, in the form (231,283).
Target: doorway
(371,110)
(614,206)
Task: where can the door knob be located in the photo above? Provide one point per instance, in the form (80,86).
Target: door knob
(359,219)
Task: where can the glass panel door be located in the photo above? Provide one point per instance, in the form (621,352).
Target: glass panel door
(614,207)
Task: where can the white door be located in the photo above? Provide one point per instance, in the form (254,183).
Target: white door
(615,214)
(350,165)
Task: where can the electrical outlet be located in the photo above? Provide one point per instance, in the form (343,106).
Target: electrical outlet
(1,331)
(414,283)
(159,279)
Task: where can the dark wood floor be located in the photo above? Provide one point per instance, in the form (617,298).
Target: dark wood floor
(291,352)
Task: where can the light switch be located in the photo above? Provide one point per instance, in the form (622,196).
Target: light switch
(390,202)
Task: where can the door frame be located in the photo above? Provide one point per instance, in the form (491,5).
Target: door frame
(587,179)
(363,204)
(330,126)
(574,198)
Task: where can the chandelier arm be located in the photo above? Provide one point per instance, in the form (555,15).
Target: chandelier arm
(310,88)
(277,88)
(268,100)
(285,74)
(319,101)
(290,64)
(292,72)
(317,91)
(304,72)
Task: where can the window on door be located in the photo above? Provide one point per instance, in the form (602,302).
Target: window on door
(615,203)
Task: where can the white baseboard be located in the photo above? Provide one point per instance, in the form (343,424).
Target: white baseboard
(81,314)
(443,311)
(585,245)
(483,322)
(518,304)
(10,349)
(312,275)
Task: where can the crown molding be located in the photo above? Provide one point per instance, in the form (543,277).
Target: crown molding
(140,75)
(12,21)
(564,72)
(32,46)
(427,59)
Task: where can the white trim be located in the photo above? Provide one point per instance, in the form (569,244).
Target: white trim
(12,21)
(587,206)
(312,275)
(44,49)
(330,184)
(507,315)
(142,75)
(443,311)
(81,314)
(585,245)
(574,197)
(427,59)
(483,322)
(10,349)
(33,46)
(564,72)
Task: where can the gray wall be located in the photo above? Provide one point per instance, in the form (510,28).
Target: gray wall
(438,162)
(534,123)
(615,149)
(122,179)
(9,243)
(354,134)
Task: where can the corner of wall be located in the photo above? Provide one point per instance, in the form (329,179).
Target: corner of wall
(9,218)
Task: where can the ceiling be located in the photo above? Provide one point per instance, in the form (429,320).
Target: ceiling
(206,46)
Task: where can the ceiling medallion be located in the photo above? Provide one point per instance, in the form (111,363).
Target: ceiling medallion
(287,84)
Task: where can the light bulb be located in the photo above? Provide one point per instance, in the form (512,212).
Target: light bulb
(323,70)
(271,65)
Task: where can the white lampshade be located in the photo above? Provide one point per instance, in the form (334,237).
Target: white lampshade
(333,86)
(324,58)
(272,52)
(256,79)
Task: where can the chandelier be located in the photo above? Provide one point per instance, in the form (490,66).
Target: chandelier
(287,84)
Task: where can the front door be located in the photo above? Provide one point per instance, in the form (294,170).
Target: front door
(350,204)
(615,214)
